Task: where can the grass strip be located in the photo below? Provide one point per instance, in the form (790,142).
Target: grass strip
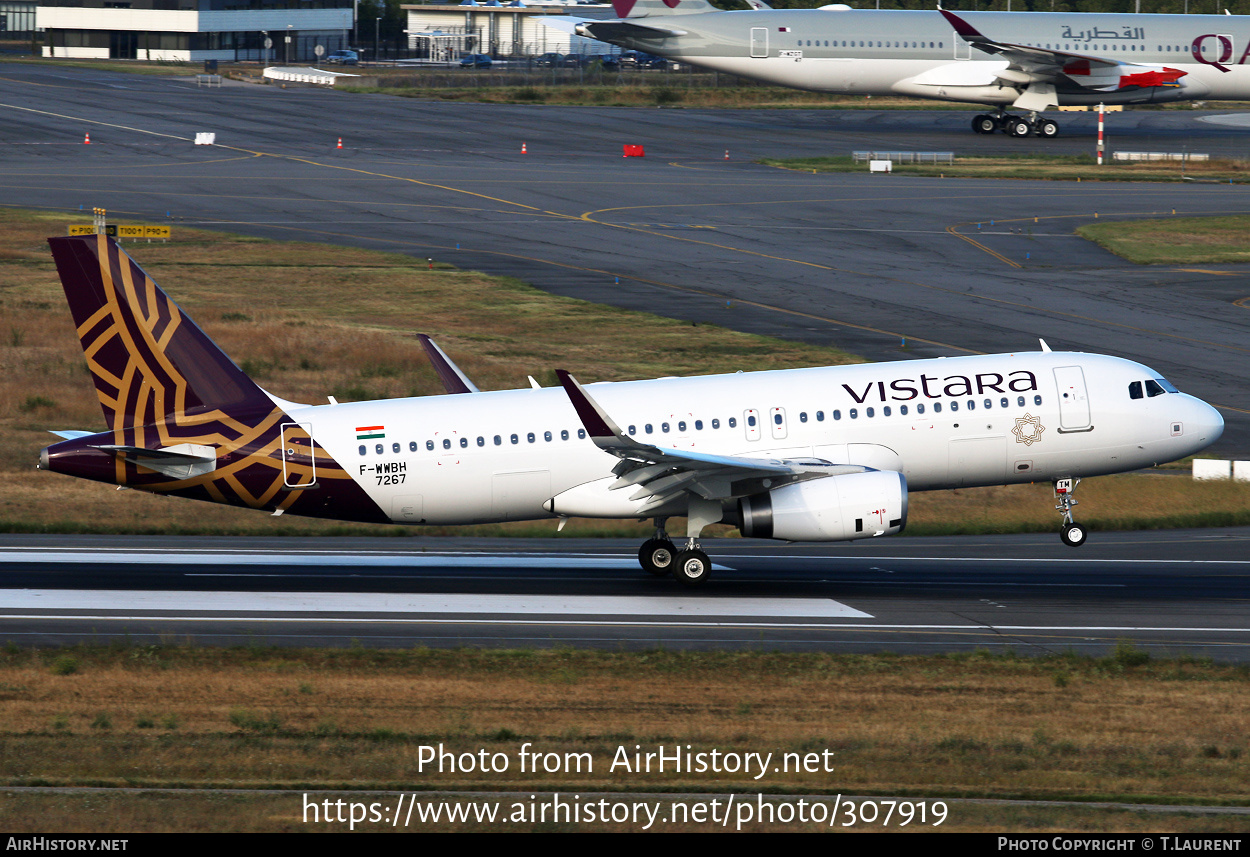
(1039,167)
(1175,240)
(1127,727)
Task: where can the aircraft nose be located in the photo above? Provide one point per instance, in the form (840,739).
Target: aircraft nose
(1204,424)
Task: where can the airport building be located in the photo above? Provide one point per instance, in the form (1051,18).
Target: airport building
(195,30)
(515,29)
(17,19)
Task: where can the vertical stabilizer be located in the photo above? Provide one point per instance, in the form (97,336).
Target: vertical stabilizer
(650,8)
(149,360)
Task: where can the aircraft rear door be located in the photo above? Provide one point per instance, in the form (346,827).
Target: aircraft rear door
(759,42)
(299,462)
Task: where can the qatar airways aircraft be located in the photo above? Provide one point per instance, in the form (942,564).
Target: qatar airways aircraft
(799,455)
(1031,61)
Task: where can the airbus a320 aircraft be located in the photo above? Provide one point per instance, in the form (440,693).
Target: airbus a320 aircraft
(1031,61)
(799,455)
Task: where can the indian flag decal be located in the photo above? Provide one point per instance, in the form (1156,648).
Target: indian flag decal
(370,432)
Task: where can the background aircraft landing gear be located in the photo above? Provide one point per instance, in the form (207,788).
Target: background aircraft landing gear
(656,554)
(1073,534)
(984,124)
(1016,126)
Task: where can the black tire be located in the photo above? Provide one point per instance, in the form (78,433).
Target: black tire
(692,568)
(1073,535)
(1019,128)
(656,556)
(984,124)
(1048,128)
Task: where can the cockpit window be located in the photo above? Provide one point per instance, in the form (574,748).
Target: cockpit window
(1153,388)
(1165,385)
(1134,390)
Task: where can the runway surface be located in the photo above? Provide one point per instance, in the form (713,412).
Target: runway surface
(1167,593)
(886,267)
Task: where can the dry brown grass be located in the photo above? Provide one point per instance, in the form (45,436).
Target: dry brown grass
(1122,728)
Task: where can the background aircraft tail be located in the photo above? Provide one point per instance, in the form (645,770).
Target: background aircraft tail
(650,8)
(148,359)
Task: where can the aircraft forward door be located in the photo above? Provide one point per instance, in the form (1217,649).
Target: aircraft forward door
(1073,399)
(759,42)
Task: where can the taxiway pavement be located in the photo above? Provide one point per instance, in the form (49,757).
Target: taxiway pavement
(887,267)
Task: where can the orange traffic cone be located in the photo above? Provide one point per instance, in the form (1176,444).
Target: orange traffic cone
(522,148)
(340,145)
(86,140)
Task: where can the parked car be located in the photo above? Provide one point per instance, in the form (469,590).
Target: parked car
(549,60)
(607,61)
(639,59)
(343,58)
(476,61)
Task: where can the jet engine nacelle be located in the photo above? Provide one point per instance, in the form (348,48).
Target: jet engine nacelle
(832,509)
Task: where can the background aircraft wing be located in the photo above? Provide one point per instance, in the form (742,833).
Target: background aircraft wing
(1039,67)
(662,475)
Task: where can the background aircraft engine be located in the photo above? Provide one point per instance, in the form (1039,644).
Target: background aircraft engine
(836,508)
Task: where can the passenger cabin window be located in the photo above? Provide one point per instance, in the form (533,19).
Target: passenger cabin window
(429,444)
(733,422)
(378,449)
(412,446)
(446,443)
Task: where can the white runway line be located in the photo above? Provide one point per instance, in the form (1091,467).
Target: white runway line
(677,606)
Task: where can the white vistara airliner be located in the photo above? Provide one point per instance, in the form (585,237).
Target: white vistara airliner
(823,454)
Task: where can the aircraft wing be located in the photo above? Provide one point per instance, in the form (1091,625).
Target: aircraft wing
(1039,69)
(662,475)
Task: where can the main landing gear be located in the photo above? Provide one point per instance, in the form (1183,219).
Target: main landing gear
(1016,126)
(1073,534)
(659,556)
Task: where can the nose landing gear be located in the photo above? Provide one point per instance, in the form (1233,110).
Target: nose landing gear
(1072,534)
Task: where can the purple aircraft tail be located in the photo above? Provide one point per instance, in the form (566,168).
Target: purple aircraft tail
(182,418)
(149,360)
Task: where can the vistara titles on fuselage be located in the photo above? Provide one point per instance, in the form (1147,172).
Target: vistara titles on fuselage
(822,454)
(1031,61)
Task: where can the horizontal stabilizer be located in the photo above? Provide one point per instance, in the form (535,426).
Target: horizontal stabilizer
(177,462)
(607,31)
(70,434)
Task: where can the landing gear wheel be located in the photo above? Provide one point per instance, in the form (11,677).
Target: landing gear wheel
(692,567)
(1048,128)
(656,556)
(984,124)
(1019,128)
(1073,535)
